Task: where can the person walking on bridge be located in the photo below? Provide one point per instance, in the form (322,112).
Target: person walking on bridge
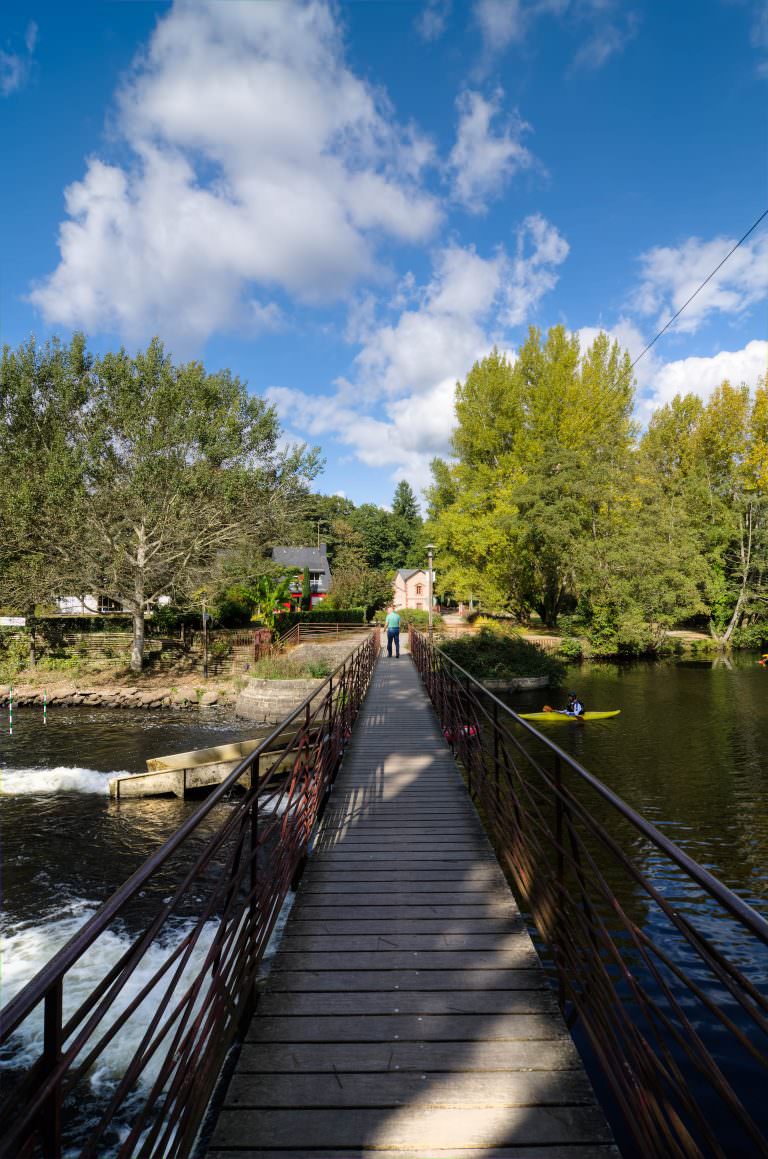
(393,632)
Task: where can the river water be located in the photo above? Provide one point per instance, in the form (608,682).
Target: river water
(689,751)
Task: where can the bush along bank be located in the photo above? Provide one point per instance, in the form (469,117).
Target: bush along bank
(496,655)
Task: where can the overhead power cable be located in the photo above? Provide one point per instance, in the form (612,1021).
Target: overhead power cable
(698,290)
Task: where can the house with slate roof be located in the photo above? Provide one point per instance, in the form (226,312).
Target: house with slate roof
(411,589)
(313,558)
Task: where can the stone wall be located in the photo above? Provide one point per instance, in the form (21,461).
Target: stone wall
(270,701)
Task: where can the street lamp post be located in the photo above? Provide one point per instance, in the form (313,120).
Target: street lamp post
(430,549)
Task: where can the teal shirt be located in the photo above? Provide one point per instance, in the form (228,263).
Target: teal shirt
(393,622)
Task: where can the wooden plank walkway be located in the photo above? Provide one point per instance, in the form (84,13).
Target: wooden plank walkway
(406,1015)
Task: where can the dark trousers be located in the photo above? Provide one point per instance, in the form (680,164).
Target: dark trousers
(393,637)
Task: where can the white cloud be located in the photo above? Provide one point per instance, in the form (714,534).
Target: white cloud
(700,376)
(397,410)
(432,20)
(610,24)
(658,382)
(501,22)
(260,161)
(612,29)
(670,274)
(540,250)
(15,67)
(481,161)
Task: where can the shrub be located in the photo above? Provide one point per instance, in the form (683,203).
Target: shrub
(571,648)
(14,654)
(493,654)
(412,616)
(285,668)
(506,626)
(751,636)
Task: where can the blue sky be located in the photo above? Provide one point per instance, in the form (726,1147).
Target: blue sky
(347,203)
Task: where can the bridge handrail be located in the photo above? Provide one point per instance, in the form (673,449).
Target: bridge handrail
(728,899)
(322,724)
(555,851)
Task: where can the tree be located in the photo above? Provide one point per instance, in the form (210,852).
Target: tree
(265,595)
(377,541)
(357,586)
(306,591)
(181,464)
(132,477)
(541,448)
(710,459)
(407,527)
(43,392)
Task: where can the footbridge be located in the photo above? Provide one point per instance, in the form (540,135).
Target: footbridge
(387,941)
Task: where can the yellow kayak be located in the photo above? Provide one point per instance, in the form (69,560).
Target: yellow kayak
(565,716)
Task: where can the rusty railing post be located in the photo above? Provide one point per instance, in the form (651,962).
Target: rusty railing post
(50,1114)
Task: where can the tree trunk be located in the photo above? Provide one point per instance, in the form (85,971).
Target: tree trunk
(137,604)
(137,647)
(746,565)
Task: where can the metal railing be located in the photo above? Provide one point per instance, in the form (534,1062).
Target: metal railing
(661,970)
(319,633)
(192,925)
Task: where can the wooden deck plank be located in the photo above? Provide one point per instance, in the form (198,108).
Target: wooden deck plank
(520,955)
(411,1002)
(424,1127)
(410,942)
(356,913)
(422,1057)
(388,925)
(395,981)
(405,1028)
(406,1013)
(396,1089)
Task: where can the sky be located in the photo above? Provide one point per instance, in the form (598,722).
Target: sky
(347,204)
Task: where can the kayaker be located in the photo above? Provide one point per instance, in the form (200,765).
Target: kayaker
(574,707)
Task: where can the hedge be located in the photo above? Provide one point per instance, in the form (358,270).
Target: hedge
(418,617)
(285,620)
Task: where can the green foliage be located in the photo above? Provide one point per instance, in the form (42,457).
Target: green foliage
(131,476)
(71,664)
(417,617)
(571,649)
(306,591)
(14,655)
(491,654)
(554,506)
(752,636)
(284,668)
(356,586)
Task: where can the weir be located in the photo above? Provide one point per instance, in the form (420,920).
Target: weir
(406,1013)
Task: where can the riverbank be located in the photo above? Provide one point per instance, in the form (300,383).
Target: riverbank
(103,687)
(96,685)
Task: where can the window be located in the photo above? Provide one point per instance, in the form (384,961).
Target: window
(419,589)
